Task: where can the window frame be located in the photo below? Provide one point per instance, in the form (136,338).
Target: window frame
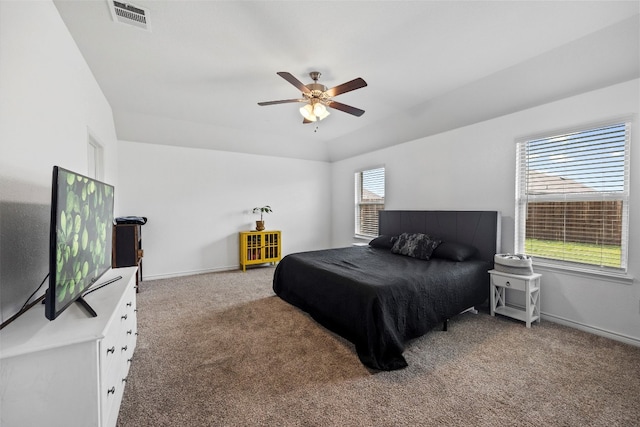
(521,202)
(95,157)
(359,202)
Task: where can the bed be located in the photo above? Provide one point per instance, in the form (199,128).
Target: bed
(378,299)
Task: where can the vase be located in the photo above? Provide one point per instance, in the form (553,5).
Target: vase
(259,225)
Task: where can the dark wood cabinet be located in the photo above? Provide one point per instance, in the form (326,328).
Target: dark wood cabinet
(127,247)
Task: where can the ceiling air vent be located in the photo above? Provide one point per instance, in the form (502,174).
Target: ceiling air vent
(127,13)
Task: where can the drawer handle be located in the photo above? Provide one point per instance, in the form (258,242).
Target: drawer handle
(129,332)
(128,304)
(124,348)
(112,390)
(124,317)
(111,350)
(507,284)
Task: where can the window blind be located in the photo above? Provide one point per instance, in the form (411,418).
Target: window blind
(369,200)
(572,195)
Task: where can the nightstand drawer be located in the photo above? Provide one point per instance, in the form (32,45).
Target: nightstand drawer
(509,282)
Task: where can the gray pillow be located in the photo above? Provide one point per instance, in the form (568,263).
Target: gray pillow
(384,242)
(454,251)
(416,245)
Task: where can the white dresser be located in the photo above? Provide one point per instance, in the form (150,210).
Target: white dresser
(70,371)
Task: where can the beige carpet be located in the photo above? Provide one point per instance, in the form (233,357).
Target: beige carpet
(221,350)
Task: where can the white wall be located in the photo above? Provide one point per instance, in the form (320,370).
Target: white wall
(198,200)
(48,102)
(473,168)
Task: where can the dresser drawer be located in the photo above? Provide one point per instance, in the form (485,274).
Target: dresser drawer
(509,282)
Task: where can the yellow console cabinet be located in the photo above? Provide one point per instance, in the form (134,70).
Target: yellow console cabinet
(259,247)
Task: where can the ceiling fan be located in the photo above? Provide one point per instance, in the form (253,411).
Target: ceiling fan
(317,97)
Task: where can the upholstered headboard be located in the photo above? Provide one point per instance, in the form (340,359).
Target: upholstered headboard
(477,228)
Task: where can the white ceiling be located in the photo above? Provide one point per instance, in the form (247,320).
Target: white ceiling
(195,79)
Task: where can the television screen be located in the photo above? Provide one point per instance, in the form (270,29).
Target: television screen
(80,237)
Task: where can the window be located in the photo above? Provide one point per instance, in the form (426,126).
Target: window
(369,200)
(572,195)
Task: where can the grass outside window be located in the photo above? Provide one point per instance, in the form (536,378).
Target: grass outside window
(585,253)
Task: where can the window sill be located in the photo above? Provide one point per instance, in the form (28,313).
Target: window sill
(610,276)
(363,238)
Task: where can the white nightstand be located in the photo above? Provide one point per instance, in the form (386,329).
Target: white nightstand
(530,285)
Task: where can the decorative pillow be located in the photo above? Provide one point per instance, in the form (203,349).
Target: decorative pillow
(384,242)
(454,251)
(415,245)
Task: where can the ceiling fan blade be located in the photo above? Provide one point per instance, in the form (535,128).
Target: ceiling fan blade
(291,79)
(346,108)
(282,101)
(346,87)
(305,121)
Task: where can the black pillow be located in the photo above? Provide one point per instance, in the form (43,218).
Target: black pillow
(384,242)
(454,251)
(416,245)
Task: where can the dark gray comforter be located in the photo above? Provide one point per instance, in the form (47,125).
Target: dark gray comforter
(379,300)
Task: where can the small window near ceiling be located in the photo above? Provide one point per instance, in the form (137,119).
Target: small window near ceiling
(572,194)
(95,158)
(369,200)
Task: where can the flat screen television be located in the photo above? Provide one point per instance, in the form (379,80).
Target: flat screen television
(80,238)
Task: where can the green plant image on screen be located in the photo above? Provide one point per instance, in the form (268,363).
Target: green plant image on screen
(83,234)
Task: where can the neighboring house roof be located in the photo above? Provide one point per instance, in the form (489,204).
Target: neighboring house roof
(371,196)
(543,183)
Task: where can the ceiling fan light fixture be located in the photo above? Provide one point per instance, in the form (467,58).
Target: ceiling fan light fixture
(320,111)
(317,97)
(307,113)
(324,115)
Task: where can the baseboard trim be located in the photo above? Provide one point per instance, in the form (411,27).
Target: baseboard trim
(189,273)
(591,329)
(584,327)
